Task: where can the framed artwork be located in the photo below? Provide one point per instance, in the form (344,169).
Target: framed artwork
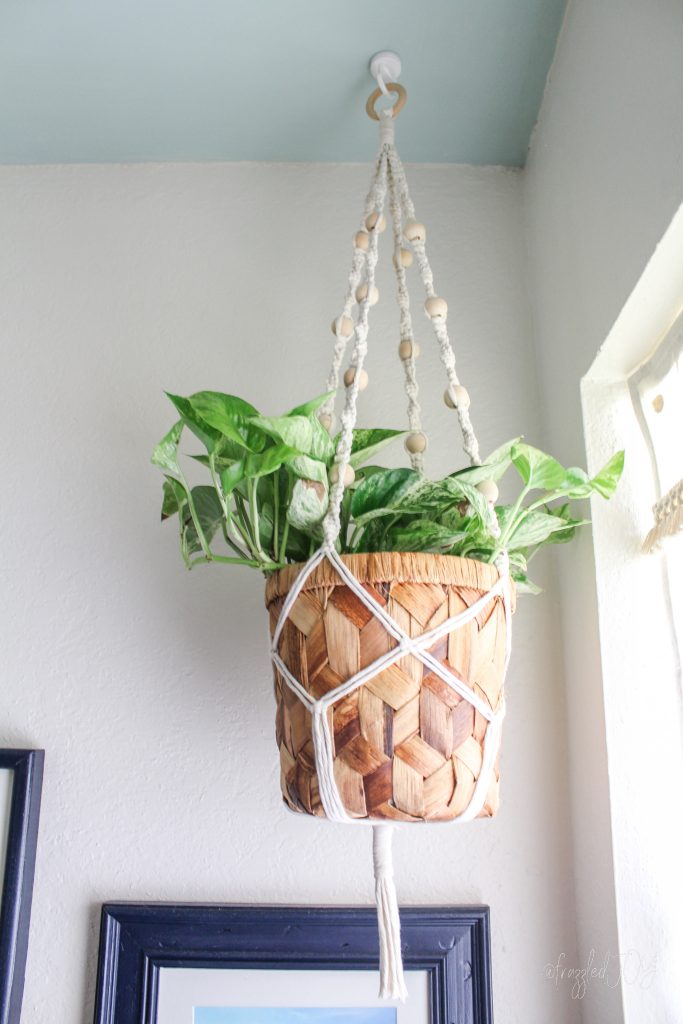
(199,964)
(21,777)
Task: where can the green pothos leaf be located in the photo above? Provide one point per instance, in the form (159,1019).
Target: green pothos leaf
(537,469)
(384,489)
(229,417)
(209,515)
(535,528)
(208,510)
(199,427)
(304,433)
(423,535)
(309,408)
(165,455)
(493,467)
(576,483)
(524,584)
(308,504)
(605,482)
(568,531)
(255,465)
(367,443)
(307,468)
(174,498)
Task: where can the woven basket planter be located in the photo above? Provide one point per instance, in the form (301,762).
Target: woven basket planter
(407,747)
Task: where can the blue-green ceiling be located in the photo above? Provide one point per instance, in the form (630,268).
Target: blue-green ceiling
(138,80)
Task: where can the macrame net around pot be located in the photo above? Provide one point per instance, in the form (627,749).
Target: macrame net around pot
(389,668)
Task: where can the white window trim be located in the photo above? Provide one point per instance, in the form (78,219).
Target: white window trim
(643,723)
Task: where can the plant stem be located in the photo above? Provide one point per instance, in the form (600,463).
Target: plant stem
(285,530)
(231,543)
(253,506)
(283,543)
(244,524)
(227,523)
(550,496)
(345,518)
(195,519)
(351,544)
(217,485)
(519,518)
(242,533)
(502,541)
(268,565)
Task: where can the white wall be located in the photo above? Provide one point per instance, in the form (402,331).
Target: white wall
(149,687)
(604,179)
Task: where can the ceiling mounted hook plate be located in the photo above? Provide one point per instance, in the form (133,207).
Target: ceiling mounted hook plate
(385,67)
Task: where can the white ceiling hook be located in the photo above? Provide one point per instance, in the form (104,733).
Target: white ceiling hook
(385,67)
(385,91)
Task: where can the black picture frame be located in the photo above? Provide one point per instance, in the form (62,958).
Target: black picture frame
(17,883)
(452,944)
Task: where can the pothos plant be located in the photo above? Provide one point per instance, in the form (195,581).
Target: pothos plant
(269,482)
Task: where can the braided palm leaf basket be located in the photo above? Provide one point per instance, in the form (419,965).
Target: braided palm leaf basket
(407,747)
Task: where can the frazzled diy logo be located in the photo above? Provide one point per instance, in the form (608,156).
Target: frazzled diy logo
(612,970)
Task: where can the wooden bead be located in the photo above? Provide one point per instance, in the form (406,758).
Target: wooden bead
(326,421)
(349,475)
(361,240)
(376,222)
(462,398)
(350,376)
(405,258)
(343,327)
(489,489)
(414,231)
(436,308)
(416,443)
(408,348)
(362,291)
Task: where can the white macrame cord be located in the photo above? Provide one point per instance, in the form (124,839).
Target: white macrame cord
(389,176)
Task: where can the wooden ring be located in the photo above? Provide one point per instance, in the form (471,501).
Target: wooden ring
(398,105)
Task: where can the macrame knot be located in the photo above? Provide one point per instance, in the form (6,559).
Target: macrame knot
(386,128)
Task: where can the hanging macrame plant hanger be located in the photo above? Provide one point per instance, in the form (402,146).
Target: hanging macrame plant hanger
(389,668)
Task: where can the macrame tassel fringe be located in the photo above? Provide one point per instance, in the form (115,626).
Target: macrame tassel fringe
(392,983)
(668,513)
